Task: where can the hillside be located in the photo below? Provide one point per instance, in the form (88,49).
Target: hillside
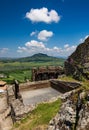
(39,58)
(78,62)
(34,58)
(81,55)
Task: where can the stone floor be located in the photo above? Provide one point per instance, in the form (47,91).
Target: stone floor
(39,95)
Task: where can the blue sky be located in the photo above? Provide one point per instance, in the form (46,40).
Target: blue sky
(54,27)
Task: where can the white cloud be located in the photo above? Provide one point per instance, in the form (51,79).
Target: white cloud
(86,37)
(34,43)
(43,15)
(66,45)
(33,33)
(55,48)
(83,39)
(44,35)
(34,47)
(3,50)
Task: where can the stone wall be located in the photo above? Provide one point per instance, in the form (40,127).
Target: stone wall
(18,109)
(63,86)
(34,85)
(5,110)
(45,73)
(13,109)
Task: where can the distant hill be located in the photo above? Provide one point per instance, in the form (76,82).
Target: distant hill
(40,58)
(34,58)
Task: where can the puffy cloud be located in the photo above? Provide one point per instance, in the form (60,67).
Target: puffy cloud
(34,43)
(34,47)
(43,15)
(44,35)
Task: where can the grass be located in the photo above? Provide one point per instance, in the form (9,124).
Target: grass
(68,78)
(22,70)
(17,65)
(85,85)
(84,82)
(21,76)
(39,117)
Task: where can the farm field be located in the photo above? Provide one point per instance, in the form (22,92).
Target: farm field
(22,70)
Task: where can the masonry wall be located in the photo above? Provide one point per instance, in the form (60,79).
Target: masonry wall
(34,85)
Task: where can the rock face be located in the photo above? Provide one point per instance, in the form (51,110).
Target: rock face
(77,63)
(65,119)
(83,123)
(73,115)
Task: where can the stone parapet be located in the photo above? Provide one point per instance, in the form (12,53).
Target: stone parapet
(34,85)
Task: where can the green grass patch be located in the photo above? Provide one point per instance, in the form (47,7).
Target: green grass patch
(21,76)
(22,70)
(84,82)
(68,78)
(40,116)
(85,85)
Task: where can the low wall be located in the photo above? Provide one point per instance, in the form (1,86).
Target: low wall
(63,86)
(5,118)
(18,109)
(34,85)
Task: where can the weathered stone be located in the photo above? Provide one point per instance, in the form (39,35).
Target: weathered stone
(5,110)
(83,123)
(65,118)
(78,62)
(45,73)
(20,109)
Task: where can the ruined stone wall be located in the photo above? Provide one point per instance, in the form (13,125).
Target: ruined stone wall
(5,110)
(45,73)
(63,86)
(18,109)
(34,85)
(13,109)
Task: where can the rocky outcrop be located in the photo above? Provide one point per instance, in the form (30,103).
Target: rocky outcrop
(77,63)
(65,119)
(73,115)
(83,123)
